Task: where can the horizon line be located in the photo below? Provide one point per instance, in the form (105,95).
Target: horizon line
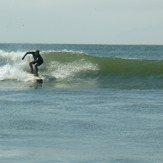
(85,43)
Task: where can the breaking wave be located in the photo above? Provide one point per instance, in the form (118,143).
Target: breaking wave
(72,65)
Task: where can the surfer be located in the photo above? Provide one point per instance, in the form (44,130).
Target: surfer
(38,60)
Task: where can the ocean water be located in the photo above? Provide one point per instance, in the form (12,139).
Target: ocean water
(97,104)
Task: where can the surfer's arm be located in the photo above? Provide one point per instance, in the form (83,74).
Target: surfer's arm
(27,53)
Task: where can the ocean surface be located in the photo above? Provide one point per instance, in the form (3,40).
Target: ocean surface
(97,104)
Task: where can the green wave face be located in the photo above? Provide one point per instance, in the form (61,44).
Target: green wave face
(100,66)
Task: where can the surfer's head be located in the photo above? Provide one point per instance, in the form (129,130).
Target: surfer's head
(37,52)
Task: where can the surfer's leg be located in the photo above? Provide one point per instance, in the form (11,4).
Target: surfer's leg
(31,66)
(36,68)
(38,63)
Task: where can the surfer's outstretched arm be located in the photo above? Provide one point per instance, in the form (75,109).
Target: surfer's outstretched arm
(26,54)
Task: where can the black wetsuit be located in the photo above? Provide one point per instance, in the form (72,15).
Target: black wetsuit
(38,60)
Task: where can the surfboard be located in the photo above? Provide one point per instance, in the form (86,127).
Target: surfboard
(37,78)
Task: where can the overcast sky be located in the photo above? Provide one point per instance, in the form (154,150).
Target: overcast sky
(81,21)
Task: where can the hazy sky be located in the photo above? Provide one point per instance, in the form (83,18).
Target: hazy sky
(81,21)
